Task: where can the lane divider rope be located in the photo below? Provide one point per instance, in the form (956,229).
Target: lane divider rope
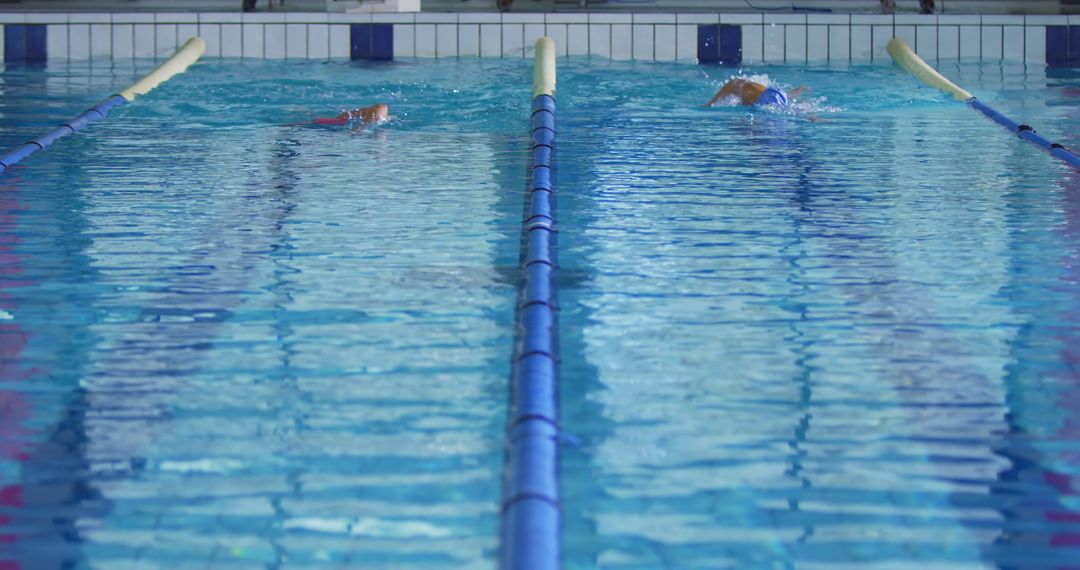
(531,514)
(903,55)
(188,54)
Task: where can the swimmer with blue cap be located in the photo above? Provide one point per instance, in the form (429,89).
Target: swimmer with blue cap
(753,93)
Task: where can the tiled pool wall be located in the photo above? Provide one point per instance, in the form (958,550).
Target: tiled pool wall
(728,38)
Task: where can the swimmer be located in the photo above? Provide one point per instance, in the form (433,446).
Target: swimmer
(754,93)
(362,117)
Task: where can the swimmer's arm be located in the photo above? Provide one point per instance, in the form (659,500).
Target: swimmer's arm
(798,91)
(728,89)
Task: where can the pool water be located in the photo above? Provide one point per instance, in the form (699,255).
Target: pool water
(838,337)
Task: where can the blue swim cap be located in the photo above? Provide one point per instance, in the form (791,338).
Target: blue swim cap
(773,96)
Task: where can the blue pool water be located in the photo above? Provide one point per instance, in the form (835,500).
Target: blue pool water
(231,341)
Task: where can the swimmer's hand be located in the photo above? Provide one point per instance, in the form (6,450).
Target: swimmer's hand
(798,91)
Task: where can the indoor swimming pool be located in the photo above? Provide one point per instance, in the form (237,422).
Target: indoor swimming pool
(838,336)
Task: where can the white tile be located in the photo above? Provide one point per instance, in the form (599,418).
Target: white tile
(469,40)
(795,44)
(479,18)
(686,42)
(176,18)
(82,18)
(970,42)
(600,18)
(123,41)
(652,18)
(208,17)
(577,39)
(1033,20)
(871,19)
(306,18)
(1002,20)
(600,40)
(753,37)
(350,18)
(425,40)
(1074,19)
(817,43)
(406,18)
(622,41)
(991,43)
(882,35)
(774,44)
(959,20)
(101,41)
(666,43)
(642,42)
(784,19)
(490,40)
(211,34)
(830,19)
(164,40)
(274,41)
(557,33)
(296,41)
(915,19)
(572,18)
(698,19)
(926,40)
(532,32)
(948,42)
(839,43)
(519,18)
(253,40)
(185,32)
(1012,47)
(1035,44)
(404,40)
(436,18)
(272,17)
(741,19)
(340,42)
(906,33)
(56,41)
(78,41)
(318,41)
(8,18)
(512,40)
(53,19)
(2,44)
(446,38)
(862,43)
(232,44)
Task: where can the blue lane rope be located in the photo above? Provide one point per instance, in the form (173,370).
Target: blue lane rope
(95,113)
(530,507)
(1027,133)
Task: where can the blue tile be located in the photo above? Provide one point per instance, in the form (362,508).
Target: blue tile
(708,43)
(15,42)
(1057,44)
(730,44)
(382,41)
(1074,45)
(35,43)
(360,41)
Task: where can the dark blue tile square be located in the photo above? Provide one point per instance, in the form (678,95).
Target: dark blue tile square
(1074,45)
(15,42)
(1057,44)
(730,44)
(360,41)
(382,41)
(35,43)
(708,43)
